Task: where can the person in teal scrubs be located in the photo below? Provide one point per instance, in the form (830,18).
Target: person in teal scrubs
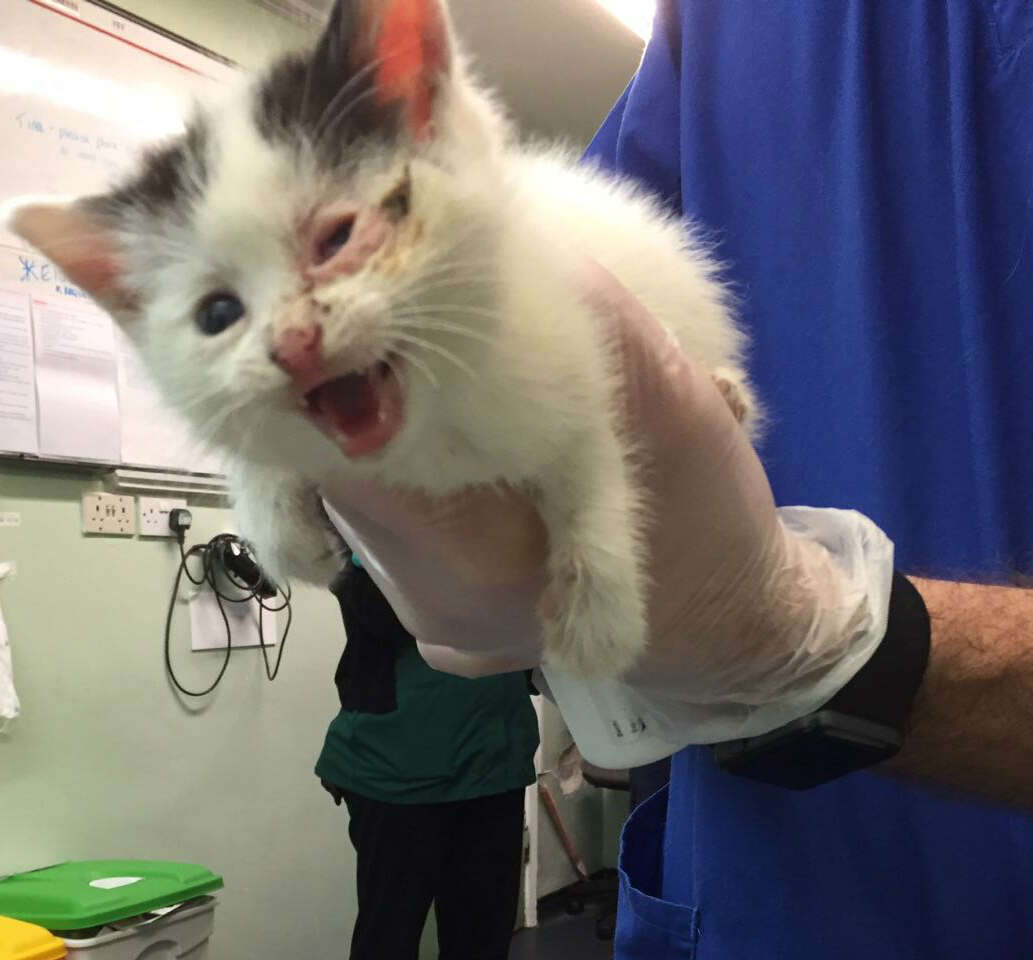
(432,768)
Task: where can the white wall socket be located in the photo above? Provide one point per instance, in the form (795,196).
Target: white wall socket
(109,513)
(154,515)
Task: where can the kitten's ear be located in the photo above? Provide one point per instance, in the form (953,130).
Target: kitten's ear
(405,45)
(74,238)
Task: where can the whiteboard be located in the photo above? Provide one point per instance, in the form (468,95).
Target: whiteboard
(82,91)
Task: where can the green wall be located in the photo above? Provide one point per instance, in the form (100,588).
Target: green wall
(106,762)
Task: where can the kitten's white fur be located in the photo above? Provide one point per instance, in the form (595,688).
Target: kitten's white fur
(541,408)
(528,394)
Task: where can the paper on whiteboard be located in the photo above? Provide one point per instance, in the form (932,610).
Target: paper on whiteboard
(17,376)
(76,382)
(153,435)
(33,274)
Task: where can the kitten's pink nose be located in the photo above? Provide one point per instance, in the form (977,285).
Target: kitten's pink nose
(298,352)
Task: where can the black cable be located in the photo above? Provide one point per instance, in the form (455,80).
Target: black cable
(220,544)
(212,559)
(261,637)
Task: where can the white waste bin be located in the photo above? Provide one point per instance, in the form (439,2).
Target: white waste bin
(172,933)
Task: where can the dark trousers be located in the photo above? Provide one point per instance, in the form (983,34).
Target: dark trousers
(464,857)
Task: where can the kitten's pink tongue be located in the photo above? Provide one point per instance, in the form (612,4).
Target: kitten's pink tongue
(362,411)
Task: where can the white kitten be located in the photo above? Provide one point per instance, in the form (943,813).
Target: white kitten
(351,266)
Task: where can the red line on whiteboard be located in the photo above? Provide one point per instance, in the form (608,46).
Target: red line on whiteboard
(115,36)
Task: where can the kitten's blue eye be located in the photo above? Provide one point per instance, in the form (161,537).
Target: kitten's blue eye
(217,312)
(334,241)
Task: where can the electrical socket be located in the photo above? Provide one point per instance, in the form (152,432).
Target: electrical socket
(154,515)
(109,513)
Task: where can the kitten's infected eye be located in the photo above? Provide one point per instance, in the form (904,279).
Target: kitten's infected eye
(217,312)
(397,203)
(335,240)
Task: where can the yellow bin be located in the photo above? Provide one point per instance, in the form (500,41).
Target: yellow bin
(26,941)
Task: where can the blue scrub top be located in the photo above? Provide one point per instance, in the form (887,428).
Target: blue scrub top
(866,169)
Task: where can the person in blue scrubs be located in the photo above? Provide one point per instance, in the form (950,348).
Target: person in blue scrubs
(867,171)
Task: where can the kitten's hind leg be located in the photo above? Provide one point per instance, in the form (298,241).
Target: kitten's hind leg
(594,608)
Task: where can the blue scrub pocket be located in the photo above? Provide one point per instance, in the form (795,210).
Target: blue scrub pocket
(648,927)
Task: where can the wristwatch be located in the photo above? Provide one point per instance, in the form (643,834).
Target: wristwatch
(860,726)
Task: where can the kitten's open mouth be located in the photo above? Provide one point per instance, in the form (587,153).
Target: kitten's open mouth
(361,411)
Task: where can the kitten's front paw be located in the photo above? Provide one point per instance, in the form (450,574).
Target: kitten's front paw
(593,616)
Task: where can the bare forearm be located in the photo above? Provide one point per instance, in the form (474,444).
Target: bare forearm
(972,724)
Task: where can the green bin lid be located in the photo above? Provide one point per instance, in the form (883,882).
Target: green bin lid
(91,893)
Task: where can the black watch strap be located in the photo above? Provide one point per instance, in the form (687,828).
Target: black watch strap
(884,689)
(861,725)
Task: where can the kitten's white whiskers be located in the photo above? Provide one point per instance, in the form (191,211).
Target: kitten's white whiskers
(419,364)
(420,321)
(438,349)
(465,308)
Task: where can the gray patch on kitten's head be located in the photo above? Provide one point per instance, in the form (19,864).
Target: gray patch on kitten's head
(169,176)
(326,99)
(323,100)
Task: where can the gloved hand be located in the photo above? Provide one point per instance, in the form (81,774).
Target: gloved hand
(748,607)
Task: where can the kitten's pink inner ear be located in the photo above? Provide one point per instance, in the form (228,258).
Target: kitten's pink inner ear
(79,245)
(412,46)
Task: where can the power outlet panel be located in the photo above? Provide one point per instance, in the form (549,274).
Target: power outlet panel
(154,515)
(108,513)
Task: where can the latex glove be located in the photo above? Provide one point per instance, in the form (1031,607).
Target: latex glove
(745,609)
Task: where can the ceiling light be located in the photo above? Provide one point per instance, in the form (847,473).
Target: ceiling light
(636,15)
